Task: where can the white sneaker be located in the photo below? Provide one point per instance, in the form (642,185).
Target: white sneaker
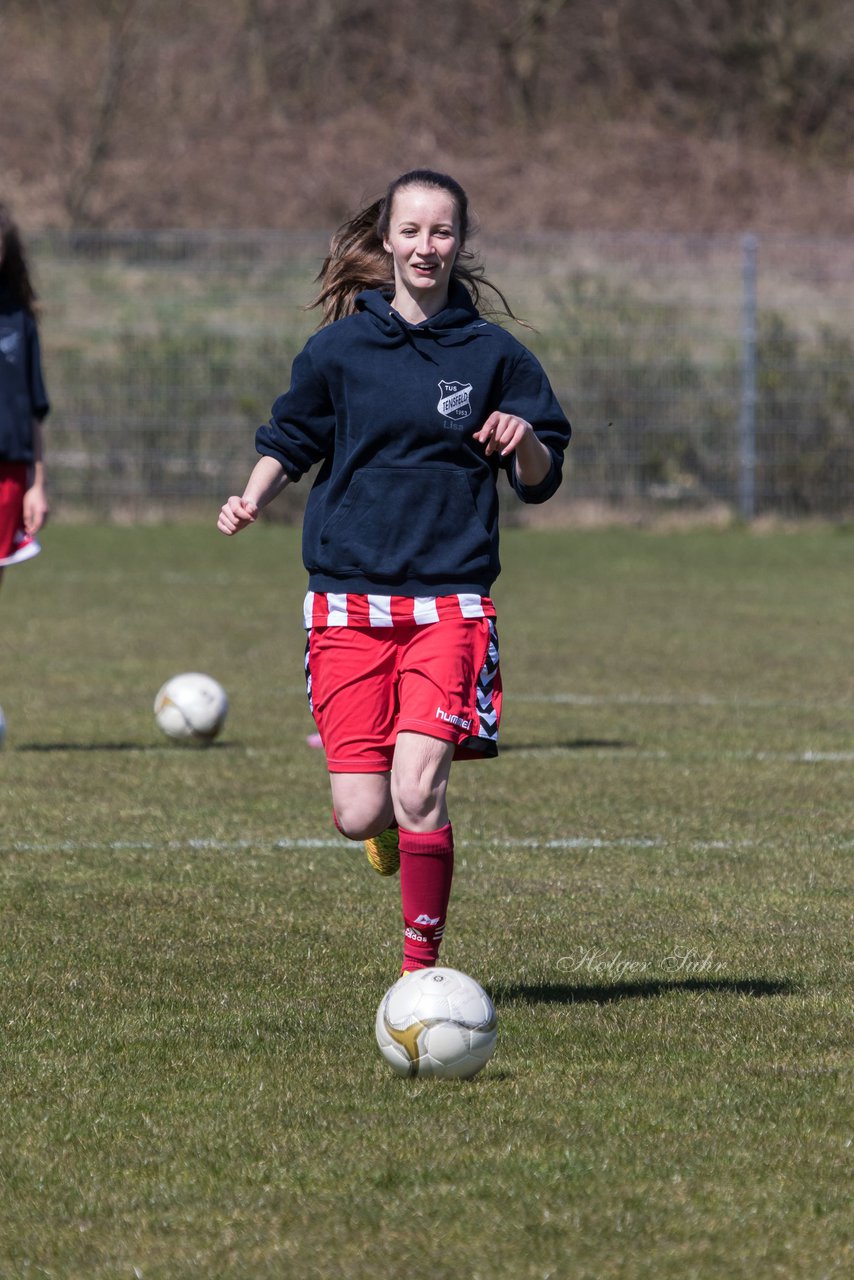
(24,547)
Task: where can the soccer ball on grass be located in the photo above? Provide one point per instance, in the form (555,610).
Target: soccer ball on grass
(436,1022)
(191,707)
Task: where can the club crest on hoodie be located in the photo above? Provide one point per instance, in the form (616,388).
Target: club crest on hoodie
(454,401)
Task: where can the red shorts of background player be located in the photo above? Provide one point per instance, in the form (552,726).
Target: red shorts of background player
(366,684)
(13,486)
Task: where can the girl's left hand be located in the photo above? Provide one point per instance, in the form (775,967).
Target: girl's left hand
(504,431)
(36,509)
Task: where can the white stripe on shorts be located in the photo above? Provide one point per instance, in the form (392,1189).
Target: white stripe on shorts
(379,611)
(337,609)
(470,606)
(424,610)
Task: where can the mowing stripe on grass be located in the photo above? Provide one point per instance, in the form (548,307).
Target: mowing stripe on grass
(637,699)
(623,750)
(640,753)
(674,700)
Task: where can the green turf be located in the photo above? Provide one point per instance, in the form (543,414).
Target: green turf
(654,882)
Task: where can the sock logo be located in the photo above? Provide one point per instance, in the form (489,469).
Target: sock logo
(430,921)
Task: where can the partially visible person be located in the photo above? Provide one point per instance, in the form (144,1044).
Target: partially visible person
(23,403)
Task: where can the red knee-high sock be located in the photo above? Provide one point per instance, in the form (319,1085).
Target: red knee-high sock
(426,872)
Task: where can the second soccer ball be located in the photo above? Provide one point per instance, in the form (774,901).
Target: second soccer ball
(191,707)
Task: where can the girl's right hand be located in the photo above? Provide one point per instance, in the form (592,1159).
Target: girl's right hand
(235,515)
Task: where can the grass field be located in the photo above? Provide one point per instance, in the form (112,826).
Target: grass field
(654,882)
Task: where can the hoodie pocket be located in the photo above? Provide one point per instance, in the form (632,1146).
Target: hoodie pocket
(396,523)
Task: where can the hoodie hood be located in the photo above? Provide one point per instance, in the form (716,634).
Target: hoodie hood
(456,323)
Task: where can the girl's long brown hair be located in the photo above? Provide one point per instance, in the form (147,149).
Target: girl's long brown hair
(357,259)
(14,273)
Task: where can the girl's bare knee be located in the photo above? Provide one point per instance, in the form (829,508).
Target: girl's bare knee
(419,781)
(356,826)
(362,811)
(417,805)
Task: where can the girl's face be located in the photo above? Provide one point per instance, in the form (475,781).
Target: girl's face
(424,240)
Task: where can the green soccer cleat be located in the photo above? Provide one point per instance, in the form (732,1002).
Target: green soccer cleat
(384,852)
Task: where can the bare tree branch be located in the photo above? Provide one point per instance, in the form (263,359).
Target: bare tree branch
(85,175)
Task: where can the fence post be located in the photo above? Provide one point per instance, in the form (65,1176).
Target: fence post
(747,416)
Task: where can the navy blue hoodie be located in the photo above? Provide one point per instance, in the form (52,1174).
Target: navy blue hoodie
(405,501)
(22,393)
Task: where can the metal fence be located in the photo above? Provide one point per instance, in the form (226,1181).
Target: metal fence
(700,372)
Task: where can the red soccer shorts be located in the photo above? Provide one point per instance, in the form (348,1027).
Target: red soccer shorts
(13,486)
(367,684)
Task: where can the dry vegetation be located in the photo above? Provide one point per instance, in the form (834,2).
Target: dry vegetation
(674,114)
